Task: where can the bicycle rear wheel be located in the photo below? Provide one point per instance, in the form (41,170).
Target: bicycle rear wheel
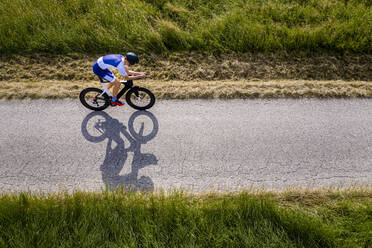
(140,98)
(91,99)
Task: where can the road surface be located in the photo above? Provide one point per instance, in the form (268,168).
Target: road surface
(195,145)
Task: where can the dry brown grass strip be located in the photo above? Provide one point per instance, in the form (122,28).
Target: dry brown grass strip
(195,66)
(198,89)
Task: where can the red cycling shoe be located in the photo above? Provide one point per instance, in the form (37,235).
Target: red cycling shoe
(116,103)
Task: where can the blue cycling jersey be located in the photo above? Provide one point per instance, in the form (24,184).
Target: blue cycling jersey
(102,65)
(112,60)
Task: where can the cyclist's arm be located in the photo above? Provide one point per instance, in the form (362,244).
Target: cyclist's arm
(127,74)
(135,73)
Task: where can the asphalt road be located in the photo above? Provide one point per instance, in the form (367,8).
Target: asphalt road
(198,145)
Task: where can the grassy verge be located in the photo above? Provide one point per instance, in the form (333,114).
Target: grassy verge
(118,219)
(192,75)
(159,26)
(196,66)
(198,89)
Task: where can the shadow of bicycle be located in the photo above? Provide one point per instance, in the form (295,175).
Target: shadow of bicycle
(98,126)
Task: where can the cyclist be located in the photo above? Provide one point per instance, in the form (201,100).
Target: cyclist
(120,62)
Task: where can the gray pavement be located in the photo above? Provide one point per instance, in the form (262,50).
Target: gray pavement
(196,145)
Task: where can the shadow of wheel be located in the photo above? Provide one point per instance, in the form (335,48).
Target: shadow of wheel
(94,126)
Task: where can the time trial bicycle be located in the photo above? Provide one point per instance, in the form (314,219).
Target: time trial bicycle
(99,99)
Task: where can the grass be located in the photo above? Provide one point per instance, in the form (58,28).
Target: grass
(196,66)
(323,218)
(198,89)
(264,47)
(190,75)
(161,26)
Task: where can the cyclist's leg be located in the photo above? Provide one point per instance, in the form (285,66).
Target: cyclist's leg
(116,86)
(107,76)
(104,84)
(113,82)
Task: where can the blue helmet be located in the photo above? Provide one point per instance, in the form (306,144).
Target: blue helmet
(132,58)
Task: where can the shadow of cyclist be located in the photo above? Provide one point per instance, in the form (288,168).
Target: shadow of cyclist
(98,126)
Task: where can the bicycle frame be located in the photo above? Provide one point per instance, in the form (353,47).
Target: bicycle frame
(128,85)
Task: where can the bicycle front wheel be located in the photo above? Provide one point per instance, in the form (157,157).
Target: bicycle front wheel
(92,99)
(140,98)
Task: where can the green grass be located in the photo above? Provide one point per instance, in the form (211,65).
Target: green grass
(119,219)
(214,26)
